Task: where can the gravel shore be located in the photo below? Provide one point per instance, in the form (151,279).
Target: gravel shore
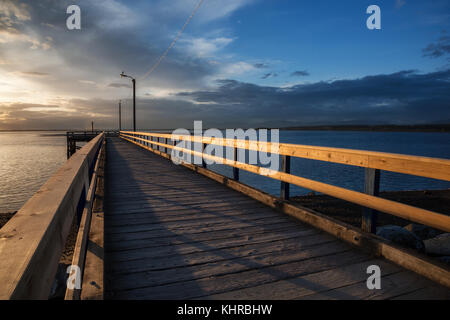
(434,200)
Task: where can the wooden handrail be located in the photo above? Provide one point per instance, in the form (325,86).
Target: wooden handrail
(79,253)
(434,168)
(31,243)
(430,218)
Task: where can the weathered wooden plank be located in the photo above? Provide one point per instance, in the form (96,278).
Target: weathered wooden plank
(244,220)
(195,220)
(217,229)
(160,203)
(198,206)
(321,282)
(428,293)
(223,283)
(93,276)
(230,265)
(79,253)
(32,241)
(178,214)
(392,285)
(275,247)
(168,238)
(186,248)
(139,197)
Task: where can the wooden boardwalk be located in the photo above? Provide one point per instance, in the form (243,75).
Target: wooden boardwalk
(171,233)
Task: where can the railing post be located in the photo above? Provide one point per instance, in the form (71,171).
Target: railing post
(165,148)
(203,150)
(371,187)
(286,168)
(235,170)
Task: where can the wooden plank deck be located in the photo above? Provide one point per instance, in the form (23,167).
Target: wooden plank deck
(171,233)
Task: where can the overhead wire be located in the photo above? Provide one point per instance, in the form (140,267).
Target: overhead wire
(161,58)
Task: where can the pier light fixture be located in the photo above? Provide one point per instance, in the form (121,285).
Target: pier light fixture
(133,80)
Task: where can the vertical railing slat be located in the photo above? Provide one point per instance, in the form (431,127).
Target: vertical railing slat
(371,187)
(286,168)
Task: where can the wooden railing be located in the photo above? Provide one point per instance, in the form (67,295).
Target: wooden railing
(373,162)
(31,243)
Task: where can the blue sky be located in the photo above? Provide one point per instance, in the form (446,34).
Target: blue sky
(288,62)
(330,38)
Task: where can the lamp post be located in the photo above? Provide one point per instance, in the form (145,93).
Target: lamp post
(120,115)
(133,80)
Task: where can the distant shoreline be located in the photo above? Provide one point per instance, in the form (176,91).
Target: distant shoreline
(365,128)
(379,128)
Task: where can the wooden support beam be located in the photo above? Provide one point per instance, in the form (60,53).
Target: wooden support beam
(371,187)
(286,168)
(203,151)
(235,170)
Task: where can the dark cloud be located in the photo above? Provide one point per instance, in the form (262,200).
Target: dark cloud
(260,65)
(269,75)
(300,73)
(34,73)
(439,48)
(119,85)
(112,38)
(400,98)
(405,97)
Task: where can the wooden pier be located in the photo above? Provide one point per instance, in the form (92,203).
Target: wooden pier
(150,229)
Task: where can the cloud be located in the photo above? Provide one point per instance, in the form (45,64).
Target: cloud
(399,98)
(269,75)
(300,73)
(202,47)
(260,65)
(438,49)
(405,97)
(34,73)
(119,85)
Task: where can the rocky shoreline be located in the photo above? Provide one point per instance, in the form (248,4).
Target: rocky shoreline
(435,243)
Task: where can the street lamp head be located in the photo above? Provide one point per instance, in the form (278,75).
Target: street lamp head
(123,75)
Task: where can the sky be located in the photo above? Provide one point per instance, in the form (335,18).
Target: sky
(239,63)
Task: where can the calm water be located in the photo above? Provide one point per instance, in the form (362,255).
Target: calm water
(28,159)
(413,143)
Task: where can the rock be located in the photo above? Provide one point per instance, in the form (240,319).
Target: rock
(401,236)
(423,232)
(438,246)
